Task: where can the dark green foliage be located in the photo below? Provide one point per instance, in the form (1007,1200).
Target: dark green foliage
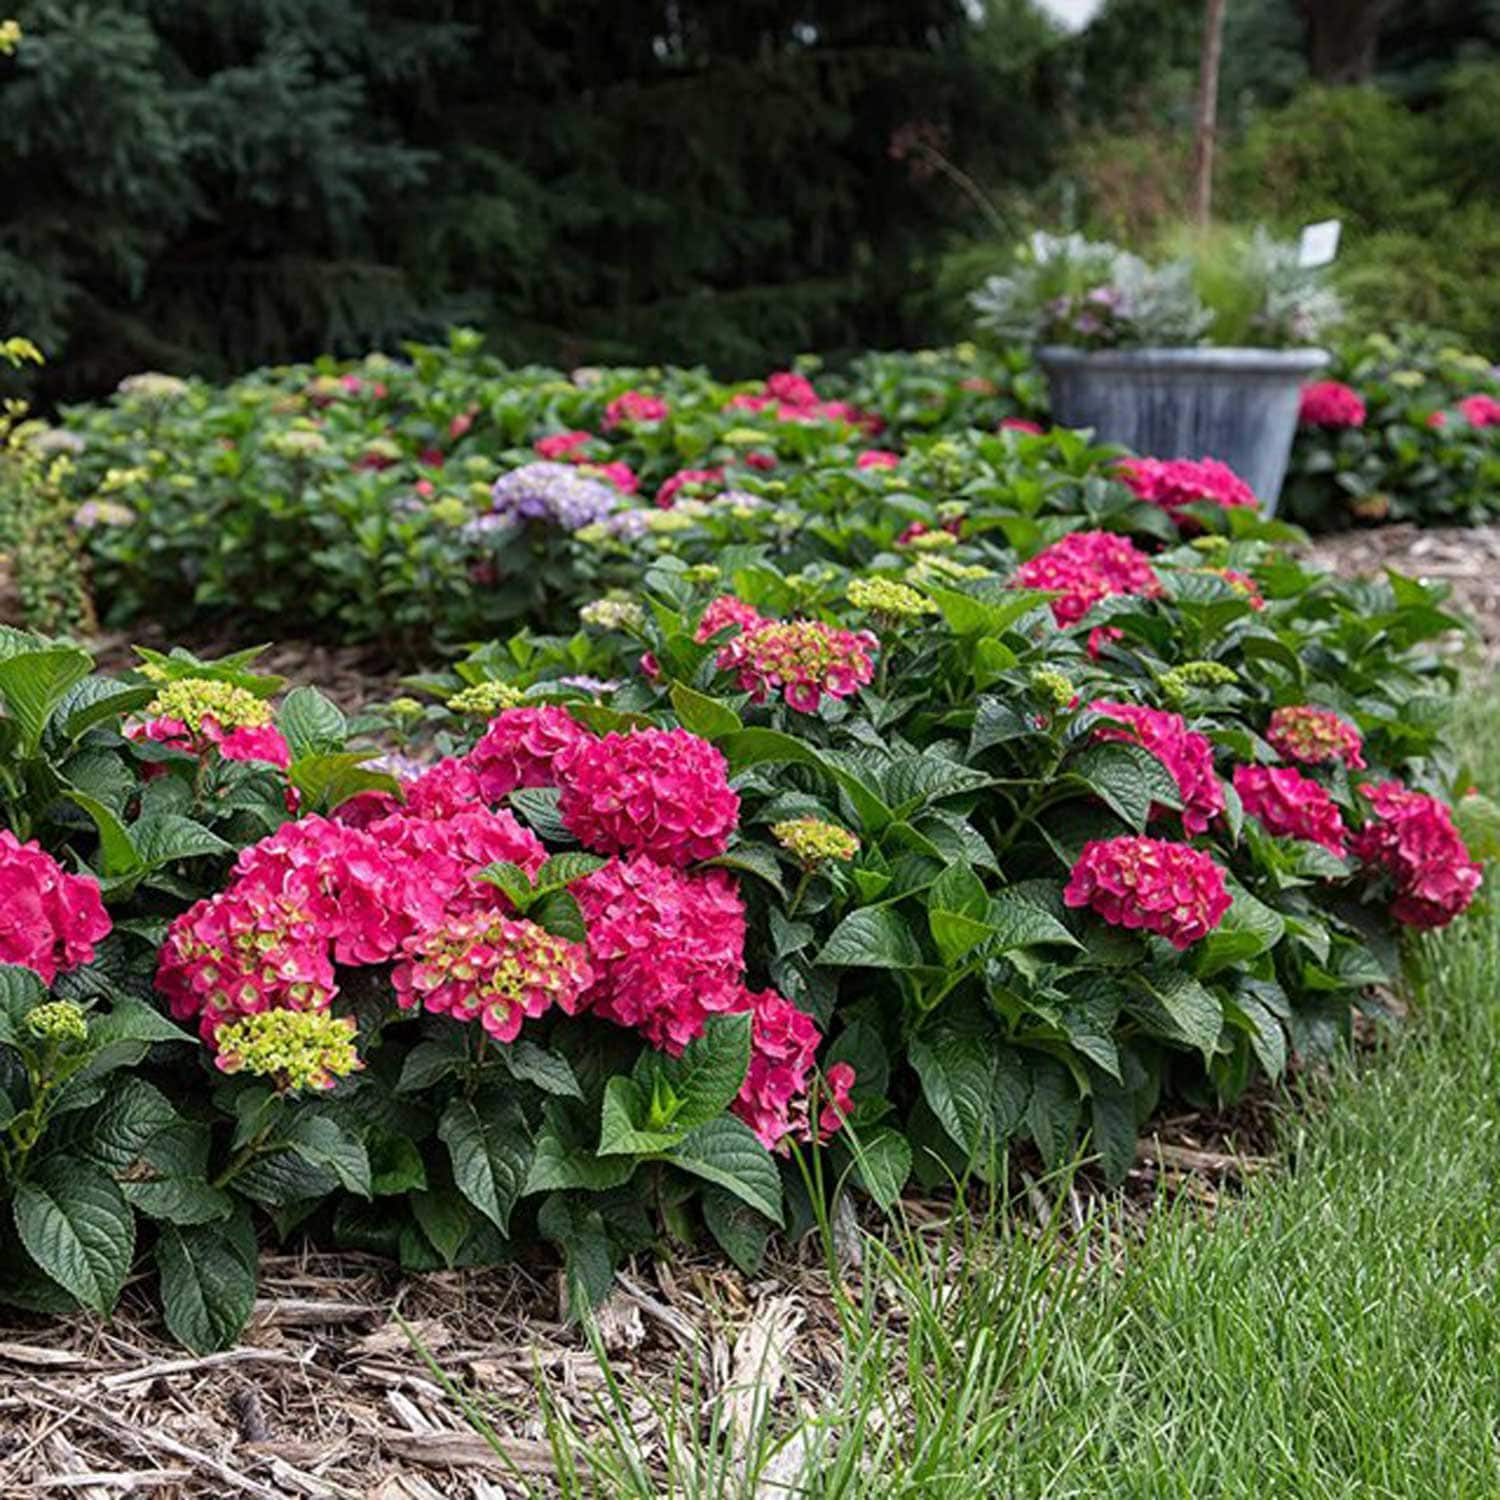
(202,185)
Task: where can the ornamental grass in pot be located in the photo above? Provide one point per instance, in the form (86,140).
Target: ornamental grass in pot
(1199,354)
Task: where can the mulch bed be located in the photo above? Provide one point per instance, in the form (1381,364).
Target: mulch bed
(328,1397)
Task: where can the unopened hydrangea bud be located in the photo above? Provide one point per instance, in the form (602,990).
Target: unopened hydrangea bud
(700,573)
(934,568)
(59,1021)
(882,596)
(10,37)
(485,699)
(298,443)
(450,511)
(613,614)
(153,387)
(190,700)
(1178,682)
(1054,685)
(813,840)
(931,541)
(1210,544)
(405,708)
(300,1049)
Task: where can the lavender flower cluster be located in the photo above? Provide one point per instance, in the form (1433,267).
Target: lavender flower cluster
(555,493)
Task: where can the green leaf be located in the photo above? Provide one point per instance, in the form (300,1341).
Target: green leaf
(1112,1123)
(321,1142)
(560,914)
(1267,1037)
(549,1071)
(78,1228)
(578,1230)
(33,683)
(725,1151)
(751,859)
(169,1179)
(975,1088)
(106,701)
(117,1134)
(967,615)
(708,1074)
(1053,1110)
(875,937)
(537,805)
(429,1062)
(702,715)
(1249,928)
(159,838)
(622,1121)
(741,1232)
(326,780)
(1127,778)
(563,869)
(117,851)
(753,747)
(132,1020)
(955,934)
(444,1219)
(207,1283)
(1020,919)
(511,879)
(21,990)
(557,1164)
(490,1150)
(1196,1013)
(310,723)
(395,1164)
(882,1162)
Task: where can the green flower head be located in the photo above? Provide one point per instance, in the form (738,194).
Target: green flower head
(896,601)
(300,1049)
(486,699)
(59,1021)
(812,840)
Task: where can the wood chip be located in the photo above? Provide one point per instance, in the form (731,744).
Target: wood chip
(463,1450)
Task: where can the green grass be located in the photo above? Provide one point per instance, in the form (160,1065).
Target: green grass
(1334,1332)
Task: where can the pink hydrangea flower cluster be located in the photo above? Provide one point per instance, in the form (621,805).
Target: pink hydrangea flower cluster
(49,920)
(1412,837)
(563,447)
(1085,567)
(1021,424)
(1480,411)
(521,748)
(724,612)
(667,947)
(802,660)
(1315,736)
(1288,804)
(1331,403)
(791,398)
(499,969)
(246,742)
(634,406)
(774,1100)
(1187,756)
(878,458)
(1173,483)
(662,792)
(666,496)
(1173,890)
(1241,583)
(318,893)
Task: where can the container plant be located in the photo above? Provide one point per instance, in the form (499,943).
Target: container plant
(1199,353)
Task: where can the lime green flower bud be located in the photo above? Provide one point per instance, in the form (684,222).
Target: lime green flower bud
(300,1049)
(1177,683)
(613,614)
(59,1021)
(190,700)
(1408,380)
(932,541)
(485,699)
(449,511)
(405,708)
(297,443)
(882,596)
(813,840)
(10,37)
(700,573)
(1054,685)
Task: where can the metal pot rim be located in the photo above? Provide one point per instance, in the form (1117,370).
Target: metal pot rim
(1199,361)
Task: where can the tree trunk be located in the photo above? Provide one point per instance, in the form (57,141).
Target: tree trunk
(1208,111)
(1343,37)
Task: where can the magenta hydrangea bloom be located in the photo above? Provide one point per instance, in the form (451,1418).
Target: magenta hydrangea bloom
(877,458)
(723,612)
(1288,804)
(666,496)
(49,919)
(1412,837)
(1173,890)
(1480,411)
(1085,567)
(663,793)
(802,660)
(667,948)
(1330,403)
(774,1099)
(563,447)
(1187,756)
(634,406)
(1173,483)
(496,968)
(522,748)
(1315,736)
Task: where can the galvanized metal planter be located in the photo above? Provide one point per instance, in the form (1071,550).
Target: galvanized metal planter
(1236,405)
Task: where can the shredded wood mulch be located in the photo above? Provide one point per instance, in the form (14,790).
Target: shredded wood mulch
(328,1396)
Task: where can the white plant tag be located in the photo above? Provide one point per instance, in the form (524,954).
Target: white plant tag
(1319,243)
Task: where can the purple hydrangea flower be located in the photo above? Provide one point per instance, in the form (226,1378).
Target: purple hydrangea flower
(556,493)
(589,684)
